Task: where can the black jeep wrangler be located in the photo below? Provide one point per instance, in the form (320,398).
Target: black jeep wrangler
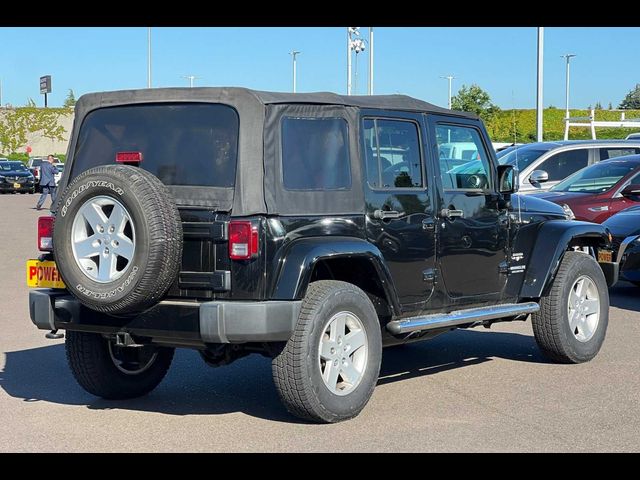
(311,228)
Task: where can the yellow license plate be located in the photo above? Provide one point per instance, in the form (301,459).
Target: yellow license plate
(43,274)
(16,185)
(605,256)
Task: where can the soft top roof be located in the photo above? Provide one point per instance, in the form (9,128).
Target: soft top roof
(258,189)
(238,94)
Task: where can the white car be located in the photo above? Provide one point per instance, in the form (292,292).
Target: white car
(58,176)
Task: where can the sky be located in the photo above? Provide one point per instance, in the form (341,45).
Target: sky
(408,60)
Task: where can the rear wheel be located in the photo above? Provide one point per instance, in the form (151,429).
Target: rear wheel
(112,372)
(329,367)
(572,322)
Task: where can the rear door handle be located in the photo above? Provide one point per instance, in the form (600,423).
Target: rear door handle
(445,212)
(386,214)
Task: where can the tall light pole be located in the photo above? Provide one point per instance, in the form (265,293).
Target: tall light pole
(191,78)
(450,78)
(294,53)
(148,57)
(357,45)
(568,57)
(539,91)
(370,89)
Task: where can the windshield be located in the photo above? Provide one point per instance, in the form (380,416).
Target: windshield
(36,162)
(12,167)
(597,178)
(524,157)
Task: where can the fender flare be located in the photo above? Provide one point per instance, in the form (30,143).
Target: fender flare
(551,243)
(300,257)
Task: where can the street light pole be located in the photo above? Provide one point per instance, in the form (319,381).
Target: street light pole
(539,92)
(349,60)
(568,57)
(191,78)
(148,57)
(450,78)
(370,61)
(294,53)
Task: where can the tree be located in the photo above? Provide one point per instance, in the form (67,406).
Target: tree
(552,107)
(598,106)
(632,100)
(475,100)
(70,101)
(610,106)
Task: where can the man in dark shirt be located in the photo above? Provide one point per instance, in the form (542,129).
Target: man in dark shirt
(47,182)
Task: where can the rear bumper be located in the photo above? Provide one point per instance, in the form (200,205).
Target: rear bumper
(179,323)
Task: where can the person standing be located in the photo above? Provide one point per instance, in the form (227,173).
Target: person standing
(47,182)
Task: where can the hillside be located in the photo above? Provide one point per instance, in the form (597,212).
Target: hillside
(501,129)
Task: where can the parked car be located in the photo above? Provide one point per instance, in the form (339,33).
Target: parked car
(625,228)
(596,192)
(633,136)
(15,177)
(3,159)
(34,167)
(264,222)
(545,164)
(60,167)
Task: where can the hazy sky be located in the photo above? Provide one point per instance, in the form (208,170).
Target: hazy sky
(408,60)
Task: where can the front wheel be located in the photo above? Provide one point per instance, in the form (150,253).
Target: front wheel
(572,322)
(329,367)
(115,373)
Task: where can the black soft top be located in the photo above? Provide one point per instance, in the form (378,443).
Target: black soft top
(258,189)
(385,102)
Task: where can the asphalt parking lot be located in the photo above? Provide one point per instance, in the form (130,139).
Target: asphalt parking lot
(473,390)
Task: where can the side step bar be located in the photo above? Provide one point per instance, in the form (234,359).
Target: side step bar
(460,317)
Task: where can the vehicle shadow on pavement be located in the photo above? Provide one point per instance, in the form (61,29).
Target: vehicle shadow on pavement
(190,388)
(457,349)
(626,296)
(193,388)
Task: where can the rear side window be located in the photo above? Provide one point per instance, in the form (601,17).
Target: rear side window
(563,164)
(315,154)
(612,152)
(392,154)
(181,144)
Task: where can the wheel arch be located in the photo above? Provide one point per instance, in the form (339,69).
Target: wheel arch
(554,239)
(351,260)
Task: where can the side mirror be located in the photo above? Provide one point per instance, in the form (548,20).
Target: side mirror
(538,176)
(632,192)
(507,179)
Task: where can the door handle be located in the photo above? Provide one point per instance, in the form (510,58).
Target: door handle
(386,214)
(445,212)
(428,224)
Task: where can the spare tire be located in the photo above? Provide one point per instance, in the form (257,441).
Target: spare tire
(117,239)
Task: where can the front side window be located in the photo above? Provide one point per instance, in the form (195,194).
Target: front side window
(563,164)
(464,162)
(181,143)
(392,154)
(315,154)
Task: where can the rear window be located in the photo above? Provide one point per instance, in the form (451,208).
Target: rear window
(181,144)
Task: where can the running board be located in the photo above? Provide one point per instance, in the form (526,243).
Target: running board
(460,317)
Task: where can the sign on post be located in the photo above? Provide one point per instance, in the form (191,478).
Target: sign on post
(45,84)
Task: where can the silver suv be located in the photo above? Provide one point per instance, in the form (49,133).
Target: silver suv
(545,164)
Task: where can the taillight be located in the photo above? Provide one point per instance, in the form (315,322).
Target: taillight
(128,157)
(45,233)
(243,240)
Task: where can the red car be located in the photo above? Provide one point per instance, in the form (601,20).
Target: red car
(598,191)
